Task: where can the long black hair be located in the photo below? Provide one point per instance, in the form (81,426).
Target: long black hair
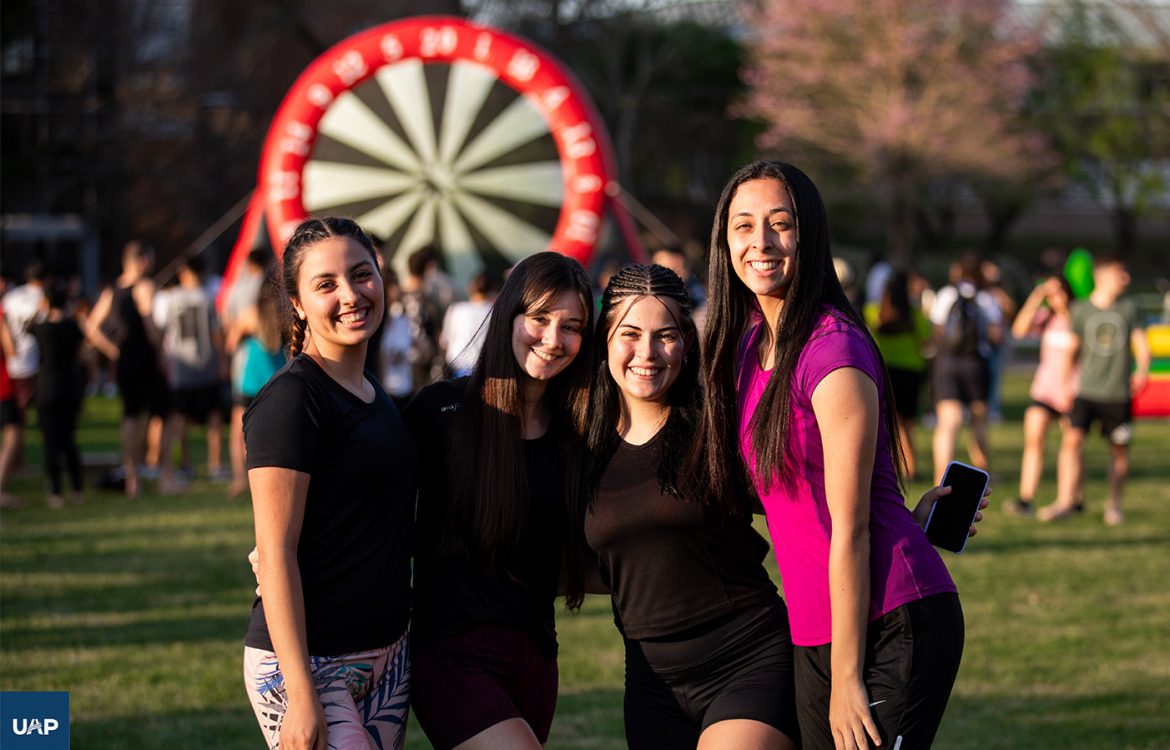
(487,477)
(732,308)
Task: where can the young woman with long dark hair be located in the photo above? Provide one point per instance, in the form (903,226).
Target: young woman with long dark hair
(796,385)
(501,462)
(333,473)
(708,656)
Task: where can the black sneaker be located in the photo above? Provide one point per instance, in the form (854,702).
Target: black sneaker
(1020,508)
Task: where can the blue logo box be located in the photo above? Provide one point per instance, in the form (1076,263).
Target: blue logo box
(39,721)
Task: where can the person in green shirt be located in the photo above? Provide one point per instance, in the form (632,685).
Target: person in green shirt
(902,330)
(1109,343)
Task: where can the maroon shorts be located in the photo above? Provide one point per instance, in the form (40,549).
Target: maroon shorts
(463,685)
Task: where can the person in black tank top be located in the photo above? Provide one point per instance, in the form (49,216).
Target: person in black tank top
(500,449)
(708,653)
(121,327)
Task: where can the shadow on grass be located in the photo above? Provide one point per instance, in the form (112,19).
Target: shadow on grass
(224,729)
(584,719)
(135,632)
(989,545)
(1111,720)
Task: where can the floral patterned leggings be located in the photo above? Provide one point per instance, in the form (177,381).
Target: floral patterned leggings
(365,695)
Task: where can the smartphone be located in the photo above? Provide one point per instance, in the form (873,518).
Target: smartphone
(951,517)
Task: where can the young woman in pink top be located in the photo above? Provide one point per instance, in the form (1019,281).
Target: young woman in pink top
(1053,384)
(875,617)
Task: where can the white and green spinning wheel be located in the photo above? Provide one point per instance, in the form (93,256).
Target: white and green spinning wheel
(436,131)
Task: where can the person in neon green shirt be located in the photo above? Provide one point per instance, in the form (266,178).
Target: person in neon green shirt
(902,331)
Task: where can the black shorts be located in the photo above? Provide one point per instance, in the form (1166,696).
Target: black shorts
(912,656)
(10,413)
(907,391)
(196,404)
(463,685)
(1116,419)
(1052,411)
(739,667)
(143,391)
(963,379)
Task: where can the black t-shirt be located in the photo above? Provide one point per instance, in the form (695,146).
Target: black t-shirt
(355,545)
(453,596)
(61,377)
(671,565)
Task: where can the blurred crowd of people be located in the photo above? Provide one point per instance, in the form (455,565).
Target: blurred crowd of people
(178,359)
(947,348)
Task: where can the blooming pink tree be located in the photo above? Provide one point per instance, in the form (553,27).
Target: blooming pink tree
(902,91)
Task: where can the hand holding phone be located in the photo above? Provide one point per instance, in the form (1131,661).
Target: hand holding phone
(952,515)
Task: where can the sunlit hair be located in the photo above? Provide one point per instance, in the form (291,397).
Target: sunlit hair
(307,234)
(488,480)
(732,309)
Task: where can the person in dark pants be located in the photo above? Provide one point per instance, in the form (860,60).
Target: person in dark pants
(874,614)
(59,391)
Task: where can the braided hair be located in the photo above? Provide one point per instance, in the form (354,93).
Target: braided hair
(307,234)
(630,284)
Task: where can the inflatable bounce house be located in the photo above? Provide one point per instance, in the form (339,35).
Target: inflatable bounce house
(1154,399)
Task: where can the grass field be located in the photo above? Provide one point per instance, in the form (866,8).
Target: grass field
(138,608)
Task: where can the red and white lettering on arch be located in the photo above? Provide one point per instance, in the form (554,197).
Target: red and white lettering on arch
(438,131)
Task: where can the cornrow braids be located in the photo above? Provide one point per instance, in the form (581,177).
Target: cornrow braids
(307,234)
(629,284)
(645,281)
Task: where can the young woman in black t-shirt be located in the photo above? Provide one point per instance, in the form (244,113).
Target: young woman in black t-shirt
(499,452)
(708,655)
(326,658)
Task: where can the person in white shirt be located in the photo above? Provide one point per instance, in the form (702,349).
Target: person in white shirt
(462,335)
(968,325)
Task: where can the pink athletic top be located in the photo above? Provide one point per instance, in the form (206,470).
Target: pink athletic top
(1055,380)
(903,566)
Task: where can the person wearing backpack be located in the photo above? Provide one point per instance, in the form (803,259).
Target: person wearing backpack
(968,325)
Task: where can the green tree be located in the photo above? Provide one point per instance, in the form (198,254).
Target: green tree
(1105,100)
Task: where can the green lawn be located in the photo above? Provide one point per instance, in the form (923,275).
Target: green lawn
(138,609)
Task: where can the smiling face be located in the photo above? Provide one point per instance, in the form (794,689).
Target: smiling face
(646,348)
(762,237)
(546,338)
(339,294)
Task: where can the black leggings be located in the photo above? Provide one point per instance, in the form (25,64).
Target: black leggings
(912,656)
(59,425)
